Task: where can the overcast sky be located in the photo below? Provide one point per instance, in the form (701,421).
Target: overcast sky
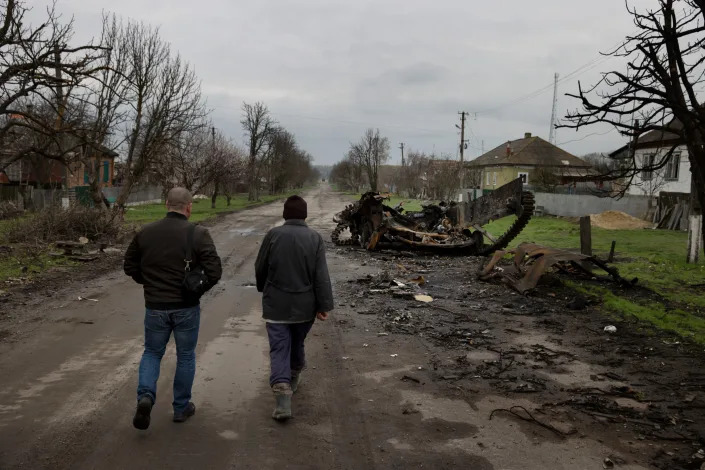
(328,69)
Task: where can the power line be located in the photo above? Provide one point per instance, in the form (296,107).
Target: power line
(579,71)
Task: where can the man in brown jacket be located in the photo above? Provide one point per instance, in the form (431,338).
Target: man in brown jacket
(292,273)
(156,258)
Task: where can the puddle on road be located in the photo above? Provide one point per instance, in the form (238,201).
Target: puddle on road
(229,435)
(399,445)
(247,232)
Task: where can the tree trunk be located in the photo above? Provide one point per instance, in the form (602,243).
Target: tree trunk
(124,194)
(215,195)
(99,200)
(696,222)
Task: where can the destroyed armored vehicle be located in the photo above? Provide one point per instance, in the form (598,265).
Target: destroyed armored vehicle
(447,227)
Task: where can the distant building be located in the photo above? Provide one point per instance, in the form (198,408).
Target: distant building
(43,173)
(651,148)
(530,159)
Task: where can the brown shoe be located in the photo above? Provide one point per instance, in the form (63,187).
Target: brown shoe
(282,395)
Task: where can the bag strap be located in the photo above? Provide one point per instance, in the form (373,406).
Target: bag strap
(188,253)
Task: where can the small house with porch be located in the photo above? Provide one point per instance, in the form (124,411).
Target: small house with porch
(531,159)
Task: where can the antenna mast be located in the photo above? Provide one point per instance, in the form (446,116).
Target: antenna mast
(552,133)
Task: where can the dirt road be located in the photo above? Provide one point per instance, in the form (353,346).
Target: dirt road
(367,401)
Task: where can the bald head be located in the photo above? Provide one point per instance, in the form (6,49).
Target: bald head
(179,200)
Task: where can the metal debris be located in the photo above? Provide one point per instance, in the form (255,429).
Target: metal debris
(446,227)
(531,261)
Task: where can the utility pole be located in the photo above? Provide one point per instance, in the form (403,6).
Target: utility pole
(215,189)
(401,146)
(552,133)
(462,149)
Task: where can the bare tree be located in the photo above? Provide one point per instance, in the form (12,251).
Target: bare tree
(232,171)
(38,67)
(443,178)
(347,175)
(372,150)
(164,99)
(658,91)
(289,167)
(413,174)
(259,129)
(104,102)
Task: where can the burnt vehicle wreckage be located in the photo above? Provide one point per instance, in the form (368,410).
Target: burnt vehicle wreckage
(449,228)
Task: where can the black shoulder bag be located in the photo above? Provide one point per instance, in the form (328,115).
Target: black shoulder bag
(195,280)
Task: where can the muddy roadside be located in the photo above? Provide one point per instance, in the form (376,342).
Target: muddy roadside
(22,298)
(542,362)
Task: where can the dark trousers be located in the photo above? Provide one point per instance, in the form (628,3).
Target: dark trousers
(286,349)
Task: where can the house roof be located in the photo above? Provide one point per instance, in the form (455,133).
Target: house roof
(532,151)
(654,138)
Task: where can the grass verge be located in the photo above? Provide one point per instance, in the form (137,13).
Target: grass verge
(201,208)
(655,257)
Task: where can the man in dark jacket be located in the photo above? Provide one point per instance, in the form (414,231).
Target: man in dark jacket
(292,273)
(156,259)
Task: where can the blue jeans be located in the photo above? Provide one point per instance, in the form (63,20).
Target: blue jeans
(158,325)
(286,349)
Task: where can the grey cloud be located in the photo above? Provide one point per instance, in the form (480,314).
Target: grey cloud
(328,69)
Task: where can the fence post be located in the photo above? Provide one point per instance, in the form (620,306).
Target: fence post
(585,236)
(610,259)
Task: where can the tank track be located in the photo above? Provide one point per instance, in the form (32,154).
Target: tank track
(335,236)
(344,217)
(527,203)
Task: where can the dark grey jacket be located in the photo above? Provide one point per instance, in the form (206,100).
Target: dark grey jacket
(292,273)
(155,259)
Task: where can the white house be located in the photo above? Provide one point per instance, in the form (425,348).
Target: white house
(650,149)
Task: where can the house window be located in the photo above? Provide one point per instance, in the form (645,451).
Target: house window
(106,171)
(85,175)
(673,166)
(524,177)
(647,174)
(494,178)
(487,183)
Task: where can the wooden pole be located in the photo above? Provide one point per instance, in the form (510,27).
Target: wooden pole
(585,236)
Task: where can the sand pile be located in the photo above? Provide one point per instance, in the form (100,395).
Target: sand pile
(616,220)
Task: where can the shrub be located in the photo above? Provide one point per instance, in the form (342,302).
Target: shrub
(9,210)
(55,224)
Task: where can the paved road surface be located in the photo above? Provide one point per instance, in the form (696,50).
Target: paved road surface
(67,393)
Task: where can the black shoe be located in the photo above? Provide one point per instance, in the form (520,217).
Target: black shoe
(144,409)
(186,414)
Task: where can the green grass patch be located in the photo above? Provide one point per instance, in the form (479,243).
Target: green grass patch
(26,266)
(683,322)
(4,226)
(201,208)
(410,205)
